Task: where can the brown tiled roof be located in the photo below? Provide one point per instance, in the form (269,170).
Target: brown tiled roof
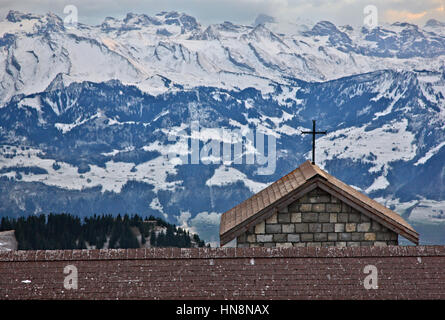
(410,272)
(294,185)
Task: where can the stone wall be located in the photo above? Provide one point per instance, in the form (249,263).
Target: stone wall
(317,219)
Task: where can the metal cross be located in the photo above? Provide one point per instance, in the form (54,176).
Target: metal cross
(313,132)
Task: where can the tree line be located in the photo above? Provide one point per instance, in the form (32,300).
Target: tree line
(66,231)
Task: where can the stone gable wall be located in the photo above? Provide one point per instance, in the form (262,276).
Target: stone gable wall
(317,219)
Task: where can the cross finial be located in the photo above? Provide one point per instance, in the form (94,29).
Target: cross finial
(313,132)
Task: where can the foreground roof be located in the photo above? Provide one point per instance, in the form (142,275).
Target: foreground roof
(294,185)
(409,272)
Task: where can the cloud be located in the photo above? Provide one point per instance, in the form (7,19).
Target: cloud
(183,220)
(394,15)
(205,224)
(241,11)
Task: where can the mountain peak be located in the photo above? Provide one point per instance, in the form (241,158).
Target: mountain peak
(185,21)
(434,23)
(324,28)
(17,16)
(405,25)
(263,19)
(140,19)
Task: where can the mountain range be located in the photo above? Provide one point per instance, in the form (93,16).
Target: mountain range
(86,113)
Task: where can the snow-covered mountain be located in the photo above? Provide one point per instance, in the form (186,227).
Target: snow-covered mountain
(85,112)
(143,50)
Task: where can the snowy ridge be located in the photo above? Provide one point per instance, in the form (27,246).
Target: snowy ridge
(86,114)
(157,52)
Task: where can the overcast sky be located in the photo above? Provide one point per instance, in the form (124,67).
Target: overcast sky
(242,11)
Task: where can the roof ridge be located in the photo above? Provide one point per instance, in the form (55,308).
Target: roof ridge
(310,170)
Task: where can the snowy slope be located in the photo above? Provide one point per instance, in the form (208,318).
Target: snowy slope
(87,113)
(144,50)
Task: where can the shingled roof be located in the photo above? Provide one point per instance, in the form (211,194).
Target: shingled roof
(294,185)
(404,272)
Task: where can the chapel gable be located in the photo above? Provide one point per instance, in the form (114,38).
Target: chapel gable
(317,219)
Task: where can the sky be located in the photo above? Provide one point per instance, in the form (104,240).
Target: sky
(340,12)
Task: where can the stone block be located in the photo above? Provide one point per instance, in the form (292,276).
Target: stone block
(334,200)
(333,207)
(264,238)
(320,199)
(342,217)
(313,244)
(319,207)
(333,218)
(260,228)
(273,228)
(340,244)
(283,210)
(366,243)
(305,207)
(350,227)
(279,237)
(283,217)
(301,227)
(369,236)
(364,218)
(288,228)
(380,244)
(327,227)
(251,238)
(332,236)
(363,227)
(299,244)
(353,244)
(293,238)
(284,245)
(344,236)
(328,244)
(295,217)
(323,217)
(307,237)
(319,236)
(357,236)
(309,217)
(339,227)
(315,227)
(382,236)
(354,217)
(242,245)
(375,226)
(269,245)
